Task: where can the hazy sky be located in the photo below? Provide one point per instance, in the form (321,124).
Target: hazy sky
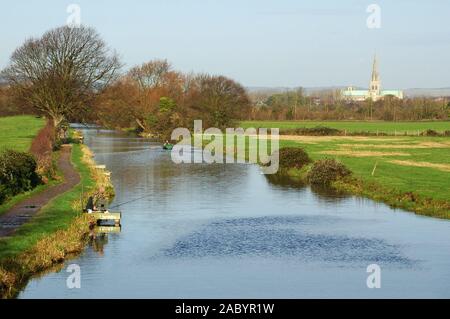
(260,42)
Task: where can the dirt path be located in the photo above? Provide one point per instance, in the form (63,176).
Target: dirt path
(23,211)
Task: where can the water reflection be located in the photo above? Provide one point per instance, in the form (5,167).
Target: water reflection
(227,231)
(98,242)
(284,181)
(322,193)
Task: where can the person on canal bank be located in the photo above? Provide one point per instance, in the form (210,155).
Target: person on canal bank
(97,202)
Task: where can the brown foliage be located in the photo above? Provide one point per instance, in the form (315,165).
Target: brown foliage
(326,171)
(293,157)
(42,147)
(11,104)
(156,99)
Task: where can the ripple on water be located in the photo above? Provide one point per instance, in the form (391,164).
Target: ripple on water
(283,237)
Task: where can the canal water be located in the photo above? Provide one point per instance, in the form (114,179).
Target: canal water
(227,231)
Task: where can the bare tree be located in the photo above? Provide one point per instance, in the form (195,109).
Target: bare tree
(60,72)
(151,74)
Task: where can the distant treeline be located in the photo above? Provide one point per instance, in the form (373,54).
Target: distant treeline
(71,74)
(11,105)
(294,105)
(176,99)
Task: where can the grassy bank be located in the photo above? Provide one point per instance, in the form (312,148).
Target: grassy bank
(57,232)
(357,126)
(17,132)
(407,172)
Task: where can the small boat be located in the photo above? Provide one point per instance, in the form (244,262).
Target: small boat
(168,146)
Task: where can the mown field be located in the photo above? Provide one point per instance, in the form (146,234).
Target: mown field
(408,164)
(17,132)
(356,126)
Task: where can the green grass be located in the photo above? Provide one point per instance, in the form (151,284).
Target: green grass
(56,215)
(17,132)
(425,181)
(356,126)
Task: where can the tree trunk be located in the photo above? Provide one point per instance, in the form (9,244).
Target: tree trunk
(141,125)
(57,120)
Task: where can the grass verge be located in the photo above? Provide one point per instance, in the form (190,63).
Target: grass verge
(58,232)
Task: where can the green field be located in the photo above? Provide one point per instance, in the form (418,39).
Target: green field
(356,126)
(361,156)
(17,132)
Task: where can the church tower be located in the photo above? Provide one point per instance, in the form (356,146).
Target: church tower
(375,85)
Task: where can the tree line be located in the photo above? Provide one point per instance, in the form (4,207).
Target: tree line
(295,105)
(70,74)
(155,99)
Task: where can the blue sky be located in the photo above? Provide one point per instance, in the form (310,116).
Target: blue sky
(260,42)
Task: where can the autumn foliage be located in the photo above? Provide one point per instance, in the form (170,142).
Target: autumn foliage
(42,147)
(156,99)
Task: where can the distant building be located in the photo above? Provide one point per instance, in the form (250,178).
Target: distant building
(374,92)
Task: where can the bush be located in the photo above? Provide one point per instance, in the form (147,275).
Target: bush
(430,132)
(327,171)
(17,173)
(293,157)
(3,193)
(313,131)
(447,133)
(42,148)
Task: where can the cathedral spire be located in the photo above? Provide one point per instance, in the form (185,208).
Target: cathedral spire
(374,87)
(375,75)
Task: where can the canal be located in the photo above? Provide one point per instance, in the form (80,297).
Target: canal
(227,231)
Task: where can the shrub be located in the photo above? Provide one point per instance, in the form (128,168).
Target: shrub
(313,131)
(327,171)
(293,157)
(447,133)
(3,193)
(17,173)
(430,132)
(366,133)
(42,148)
